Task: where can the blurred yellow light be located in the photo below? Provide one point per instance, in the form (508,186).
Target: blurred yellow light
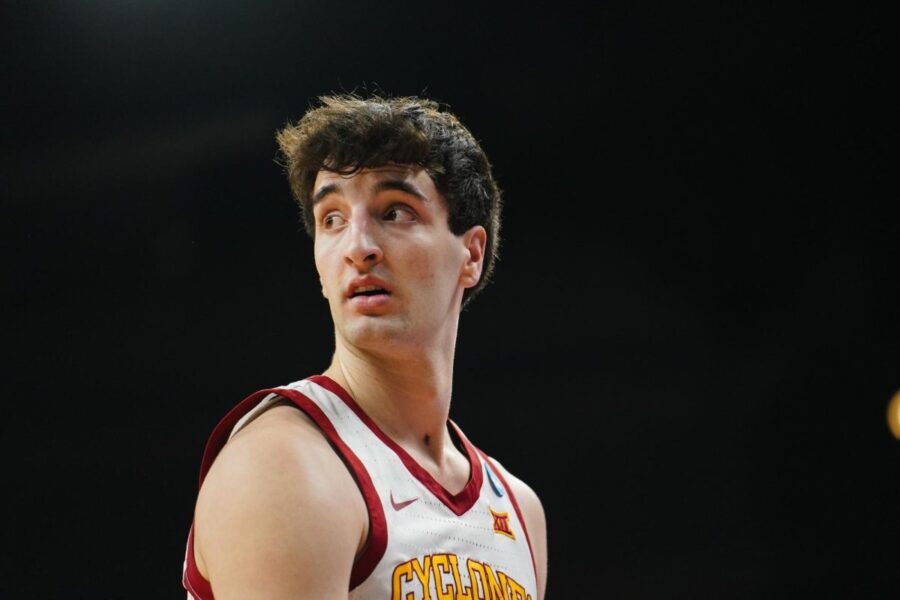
(893,415)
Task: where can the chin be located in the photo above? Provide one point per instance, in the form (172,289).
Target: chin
(383,338)
(370,330)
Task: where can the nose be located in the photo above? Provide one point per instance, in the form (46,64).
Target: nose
(363,250)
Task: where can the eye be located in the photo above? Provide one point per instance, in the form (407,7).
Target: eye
(400,213)
(332,220)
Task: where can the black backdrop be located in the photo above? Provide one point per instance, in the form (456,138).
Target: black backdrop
(687,351)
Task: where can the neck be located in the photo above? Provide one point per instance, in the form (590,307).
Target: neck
(408,395)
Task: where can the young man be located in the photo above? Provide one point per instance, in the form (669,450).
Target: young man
(355,483)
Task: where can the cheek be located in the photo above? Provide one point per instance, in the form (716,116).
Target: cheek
(429,263)
(324,266)
(439,269)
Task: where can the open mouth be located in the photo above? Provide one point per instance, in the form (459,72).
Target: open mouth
(369,290)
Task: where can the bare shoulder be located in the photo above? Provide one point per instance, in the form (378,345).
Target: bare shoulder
(536,522)
(278,514)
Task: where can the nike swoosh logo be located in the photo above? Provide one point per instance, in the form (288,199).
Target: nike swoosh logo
(401,505)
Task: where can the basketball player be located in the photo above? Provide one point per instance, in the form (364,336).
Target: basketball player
(355,483)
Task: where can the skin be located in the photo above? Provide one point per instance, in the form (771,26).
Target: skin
(267,523)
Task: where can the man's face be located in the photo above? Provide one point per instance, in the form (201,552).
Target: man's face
(392,270)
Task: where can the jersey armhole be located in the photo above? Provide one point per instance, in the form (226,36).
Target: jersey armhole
(198,588)
(376,542)
(515,503)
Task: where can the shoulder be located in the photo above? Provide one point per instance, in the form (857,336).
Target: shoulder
(535,520)
(278,513)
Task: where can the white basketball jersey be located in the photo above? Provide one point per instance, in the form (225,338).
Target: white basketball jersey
(424,542)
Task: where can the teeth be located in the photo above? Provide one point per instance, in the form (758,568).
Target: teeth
(367,289)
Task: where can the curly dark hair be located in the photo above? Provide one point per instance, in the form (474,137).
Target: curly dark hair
(346,133)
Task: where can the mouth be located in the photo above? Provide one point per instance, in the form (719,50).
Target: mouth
(369,290)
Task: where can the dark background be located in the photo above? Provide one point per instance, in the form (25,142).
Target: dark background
(688,349)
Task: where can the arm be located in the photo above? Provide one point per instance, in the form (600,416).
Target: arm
(279,515)
(535,521)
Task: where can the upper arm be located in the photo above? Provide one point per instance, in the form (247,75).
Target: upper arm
(278,515)
(536,522)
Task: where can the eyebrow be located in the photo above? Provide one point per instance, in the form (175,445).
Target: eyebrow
(324,191)
(400,185)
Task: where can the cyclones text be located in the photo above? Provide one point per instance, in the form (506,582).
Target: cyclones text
(437,577)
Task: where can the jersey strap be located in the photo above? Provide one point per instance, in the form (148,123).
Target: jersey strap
(377,540)
(515,504)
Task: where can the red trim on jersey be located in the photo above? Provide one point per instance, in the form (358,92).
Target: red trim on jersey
(222,431)
(459,503)
(515,504)
(376,544)
(193,580)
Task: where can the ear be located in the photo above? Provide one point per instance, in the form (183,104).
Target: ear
(474,241)
(322,285)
